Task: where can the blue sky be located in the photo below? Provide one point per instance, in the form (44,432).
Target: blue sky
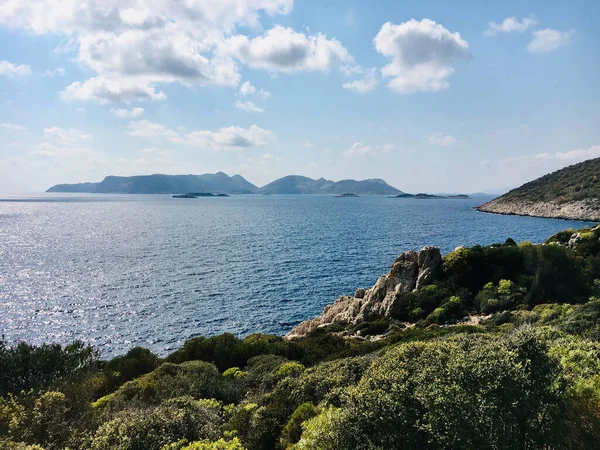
(434,96)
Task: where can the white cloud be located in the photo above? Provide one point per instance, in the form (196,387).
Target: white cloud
(363,85)
(132,45)
(121,113)
(270,157)
(229,138)
(59,71)
(549,39)
(64,136)
(573,155)
(12,70)
(422,55)
(282,49)
(12,127)
(358,149)
(248,106)
(105,90)
(225,138)
(147,129)
(510,24)
(308,144)
(49,150)
(246,89)
(441,139)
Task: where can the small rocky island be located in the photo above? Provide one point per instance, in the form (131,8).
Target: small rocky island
(199,194)
(571,193)
(422,196)
(347,195)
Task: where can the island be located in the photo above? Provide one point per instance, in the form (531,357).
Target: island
(571,193)
(422,196)
(221,182)
(199,194)
(347,195)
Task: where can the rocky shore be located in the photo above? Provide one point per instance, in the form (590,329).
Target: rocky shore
(586,210)
(411,271)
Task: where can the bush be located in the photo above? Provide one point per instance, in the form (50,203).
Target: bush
(468,392)
(293,430)
(24,367)
(151,429)
(196,379)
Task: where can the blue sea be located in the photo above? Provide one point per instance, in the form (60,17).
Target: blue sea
(150,270)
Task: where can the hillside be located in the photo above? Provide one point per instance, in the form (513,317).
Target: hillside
(296,184)
(493,347)
(569,193)
(163,184)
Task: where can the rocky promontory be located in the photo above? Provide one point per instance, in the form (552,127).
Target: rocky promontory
(570,193)
(411,271)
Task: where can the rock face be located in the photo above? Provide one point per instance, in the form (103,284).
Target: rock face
(410,271)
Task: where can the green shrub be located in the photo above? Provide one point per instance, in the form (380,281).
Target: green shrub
(468,392)
(293,430)
(151,429)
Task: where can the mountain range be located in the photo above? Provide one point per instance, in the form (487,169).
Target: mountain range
(222,183)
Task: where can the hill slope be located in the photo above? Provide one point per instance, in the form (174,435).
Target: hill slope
(163,184)
(296,184)
(569,193)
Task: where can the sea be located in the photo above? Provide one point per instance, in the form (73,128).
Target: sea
(119,271)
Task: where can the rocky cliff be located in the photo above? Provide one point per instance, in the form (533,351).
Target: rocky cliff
(411,270)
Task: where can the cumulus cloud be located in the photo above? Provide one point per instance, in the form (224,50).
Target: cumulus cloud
(365,84)
(422,55)
(104,90)
(223,139)
(358,149)
(59,71)
(14,70)
(121,113)
(509,25)
(282,49)
(549,39)
(441,139)
(308,144)
(248,106)
(246,89)
(132,45)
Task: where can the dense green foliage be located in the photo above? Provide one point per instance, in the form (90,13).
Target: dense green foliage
(524,375)
(577,182)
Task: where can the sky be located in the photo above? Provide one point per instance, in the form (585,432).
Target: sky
(430,95)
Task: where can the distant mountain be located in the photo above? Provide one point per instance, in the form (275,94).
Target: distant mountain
(296,184)
(222,183)
(163,184)
(569,193)
(373,186)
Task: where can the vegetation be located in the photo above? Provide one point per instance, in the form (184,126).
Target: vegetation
(577,182)
(502,352)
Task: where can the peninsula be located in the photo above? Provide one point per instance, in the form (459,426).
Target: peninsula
(570,193)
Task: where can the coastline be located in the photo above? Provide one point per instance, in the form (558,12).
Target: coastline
(575,211)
